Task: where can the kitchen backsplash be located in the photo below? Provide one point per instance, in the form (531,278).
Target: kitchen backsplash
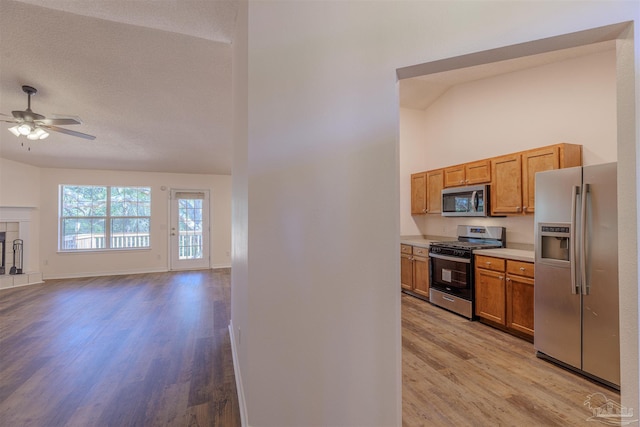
(520,229)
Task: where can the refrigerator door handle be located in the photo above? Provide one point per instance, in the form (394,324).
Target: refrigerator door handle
(583,241)
(575,190)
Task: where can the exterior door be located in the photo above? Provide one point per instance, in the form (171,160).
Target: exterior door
(189,230)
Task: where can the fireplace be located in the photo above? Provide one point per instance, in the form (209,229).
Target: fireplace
(19,225)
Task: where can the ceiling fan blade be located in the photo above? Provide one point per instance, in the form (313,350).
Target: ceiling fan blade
(60,121)
(27,115)
(9,121)
(69,132)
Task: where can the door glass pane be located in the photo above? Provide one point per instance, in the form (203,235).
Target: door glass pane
(190,229)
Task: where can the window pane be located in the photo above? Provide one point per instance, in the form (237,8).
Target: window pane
(130,201)
(83,233)
(190,226)
(130,233)
(84,200)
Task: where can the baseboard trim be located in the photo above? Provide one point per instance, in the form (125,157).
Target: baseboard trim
(236,370)
(102,273)
(215,266)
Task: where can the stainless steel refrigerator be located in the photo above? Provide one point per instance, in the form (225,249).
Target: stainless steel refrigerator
(576,318)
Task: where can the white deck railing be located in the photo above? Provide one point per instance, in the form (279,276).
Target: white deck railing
(189,245)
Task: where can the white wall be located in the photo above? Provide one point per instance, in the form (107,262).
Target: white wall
(20,188)
(240,308)
(321,342)
(19,184)
(568,101)
(57,265)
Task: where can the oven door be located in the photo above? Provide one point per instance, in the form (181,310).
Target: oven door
(451,275)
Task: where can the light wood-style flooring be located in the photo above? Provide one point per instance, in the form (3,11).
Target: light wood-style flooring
(461,373)
(137,350)
(153,350)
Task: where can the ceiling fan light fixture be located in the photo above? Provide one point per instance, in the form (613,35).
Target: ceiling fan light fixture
(14,130)
(24,129)
(38,133)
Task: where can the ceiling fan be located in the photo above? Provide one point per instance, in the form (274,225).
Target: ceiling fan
(35,126)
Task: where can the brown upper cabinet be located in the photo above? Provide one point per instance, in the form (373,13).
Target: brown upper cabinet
(419,193)
(543,159)
(478,172)
(426,192)
(513,176)
(435,181)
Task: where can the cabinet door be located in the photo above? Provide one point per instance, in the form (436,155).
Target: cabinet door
(490,295)
(406,271)
(454,176)
(421,275)
(478,172)
(506,185)
(435,182)
(520,304)
(419,193)
(533,161)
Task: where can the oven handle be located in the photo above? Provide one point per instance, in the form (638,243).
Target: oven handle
(451,258)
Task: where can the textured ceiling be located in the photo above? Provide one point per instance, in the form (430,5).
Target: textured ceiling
(150,79)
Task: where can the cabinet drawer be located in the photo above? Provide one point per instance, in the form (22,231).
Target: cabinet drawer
(405,249)
(490,263)
(417,250)
(520,268)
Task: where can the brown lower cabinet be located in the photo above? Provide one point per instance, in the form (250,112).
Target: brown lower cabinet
(414,270)
(504,294)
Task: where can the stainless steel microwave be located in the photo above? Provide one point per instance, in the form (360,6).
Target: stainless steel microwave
(466,201)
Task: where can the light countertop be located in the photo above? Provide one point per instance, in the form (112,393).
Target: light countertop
(516,254)
(526,255)
(422,242)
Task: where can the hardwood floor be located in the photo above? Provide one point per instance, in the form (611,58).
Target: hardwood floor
(138,350)
(468,374)
(154,350)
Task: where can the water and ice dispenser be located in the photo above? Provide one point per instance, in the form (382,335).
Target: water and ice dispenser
(555,243)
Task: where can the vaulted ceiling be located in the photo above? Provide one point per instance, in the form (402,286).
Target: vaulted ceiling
(150,79)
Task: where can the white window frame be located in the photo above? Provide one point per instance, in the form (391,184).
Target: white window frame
(107,220)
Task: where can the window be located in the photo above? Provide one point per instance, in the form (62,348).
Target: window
(99,217)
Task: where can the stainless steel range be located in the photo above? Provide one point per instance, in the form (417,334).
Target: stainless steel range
(452,285)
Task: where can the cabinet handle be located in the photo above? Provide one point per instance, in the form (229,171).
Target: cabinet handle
(524,208)
(488,262)
(518,209)
(522,268)
(500,277)
(508,280)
